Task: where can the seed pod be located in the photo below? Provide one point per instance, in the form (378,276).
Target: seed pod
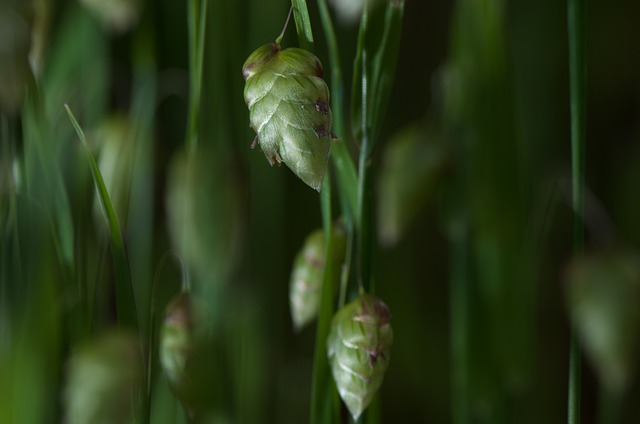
(104,381)
(414,162)
(305,286)
(115,140)
(289,109)
(116,15)
(176,339)
(177,345)
(604,303)
(205,206)
(358,348)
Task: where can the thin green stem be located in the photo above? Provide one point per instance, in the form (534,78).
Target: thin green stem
(197,18)
(321,389)
(459,338)
(365,220)
(577,77)
(345,168)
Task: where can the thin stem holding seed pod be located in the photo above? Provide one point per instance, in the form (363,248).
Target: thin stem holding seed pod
(284,28)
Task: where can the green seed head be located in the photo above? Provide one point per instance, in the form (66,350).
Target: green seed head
(116,15)
(289,109)
(306,280)
(604,304)
(305,287)
(176,338)
(104,381)
(204,216)
(358,348)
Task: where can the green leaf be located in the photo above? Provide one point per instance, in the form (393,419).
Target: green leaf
(125,300)
(289,109)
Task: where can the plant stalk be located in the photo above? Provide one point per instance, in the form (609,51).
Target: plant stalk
(321,389)
(364,220)
(576,20)
(459,337)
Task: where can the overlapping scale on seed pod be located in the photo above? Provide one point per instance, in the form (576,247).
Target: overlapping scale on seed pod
(358,349)
(603,293)
(177,344)
(307,274)
(104,381)
(289,109)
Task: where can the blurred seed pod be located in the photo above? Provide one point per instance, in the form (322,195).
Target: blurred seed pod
(177,345)
(414,162)
(116,15)
(15,42)
(115,159)
(350,11)
(358,348)
(204,205)
(305,285)
(104,381)
(604,303)
(289,109)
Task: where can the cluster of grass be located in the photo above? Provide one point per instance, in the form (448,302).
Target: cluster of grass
(136,219)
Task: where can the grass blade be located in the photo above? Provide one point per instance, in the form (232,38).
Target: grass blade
(303,22)
(125,301)
(374,69)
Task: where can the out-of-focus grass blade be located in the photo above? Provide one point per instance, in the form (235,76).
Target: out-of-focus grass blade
(303,22)
(125,301)
(378,47)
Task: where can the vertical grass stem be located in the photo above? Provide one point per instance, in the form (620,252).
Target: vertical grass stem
(576,21)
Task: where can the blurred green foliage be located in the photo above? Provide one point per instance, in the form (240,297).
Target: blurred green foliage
(481,233)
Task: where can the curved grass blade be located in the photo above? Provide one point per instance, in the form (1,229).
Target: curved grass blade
(125,301)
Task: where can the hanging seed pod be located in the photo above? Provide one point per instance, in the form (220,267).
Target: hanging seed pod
(104,381)
(116,15)
(116,144)
(604,303)
(289,109)
(305,286)
(413,165)
(177,345)
(358,348)
(205,206)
